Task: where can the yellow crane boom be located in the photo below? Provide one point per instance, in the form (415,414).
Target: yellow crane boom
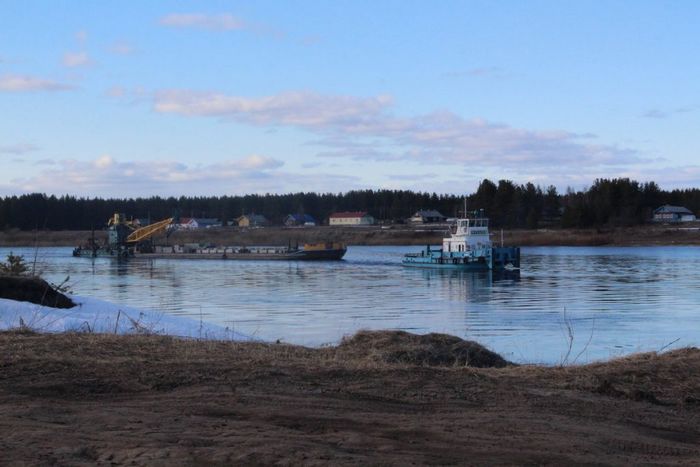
(144,233)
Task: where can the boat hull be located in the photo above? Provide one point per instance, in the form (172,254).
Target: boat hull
(315,255)
(485,259)
(102,253)
(237,254)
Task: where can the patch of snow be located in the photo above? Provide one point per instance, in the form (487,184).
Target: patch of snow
(93,315)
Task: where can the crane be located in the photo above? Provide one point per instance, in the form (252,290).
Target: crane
(149,231)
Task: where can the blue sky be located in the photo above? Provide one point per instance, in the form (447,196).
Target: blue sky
(214,98)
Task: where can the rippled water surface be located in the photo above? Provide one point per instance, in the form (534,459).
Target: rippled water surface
(614,300)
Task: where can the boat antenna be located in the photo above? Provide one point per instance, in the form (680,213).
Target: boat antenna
(465,206)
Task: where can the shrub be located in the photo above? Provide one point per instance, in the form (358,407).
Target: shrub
(14,266)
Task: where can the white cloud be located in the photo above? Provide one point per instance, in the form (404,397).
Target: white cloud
(76,59)
(103,162)
(256,162)
(303,109)
(362,128)
(25,83)
(220,22)
(107,176)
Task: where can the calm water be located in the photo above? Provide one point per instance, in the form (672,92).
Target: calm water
(616,300)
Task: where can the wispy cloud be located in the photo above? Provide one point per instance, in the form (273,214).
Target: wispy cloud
(76,59)
(489,71)
(668,177)
(133,95)
(219,22)
(81,36)
(302,109)
(18,149)
(25,83)
(661,114)
(363,128)
(107,176)
(116,91)
(121,48)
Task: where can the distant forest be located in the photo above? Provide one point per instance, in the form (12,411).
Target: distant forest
(614,202)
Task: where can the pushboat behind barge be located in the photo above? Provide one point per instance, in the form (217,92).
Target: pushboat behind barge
(467,248)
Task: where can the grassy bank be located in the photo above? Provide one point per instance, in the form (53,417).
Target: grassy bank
(396,235)
(386,397)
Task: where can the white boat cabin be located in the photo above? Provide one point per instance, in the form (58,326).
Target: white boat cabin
(467,235)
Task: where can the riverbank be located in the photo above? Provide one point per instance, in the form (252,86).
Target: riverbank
(384,397)
(376,235)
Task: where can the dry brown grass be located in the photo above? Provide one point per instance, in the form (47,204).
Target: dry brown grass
(377,398)
(398,347)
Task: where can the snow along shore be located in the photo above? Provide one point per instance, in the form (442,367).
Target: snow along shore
(98,316)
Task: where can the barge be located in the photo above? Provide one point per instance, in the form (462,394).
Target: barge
(125,240)
(468,247)
(307,252)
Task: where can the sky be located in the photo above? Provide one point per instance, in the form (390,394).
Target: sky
(170,98)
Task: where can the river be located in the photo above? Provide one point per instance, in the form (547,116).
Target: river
(599,302)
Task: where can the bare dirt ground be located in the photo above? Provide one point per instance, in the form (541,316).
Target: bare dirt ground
(376,235)
(379,398)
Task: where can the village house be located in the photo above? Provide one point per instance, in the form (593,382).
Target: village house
(252,220)
(350,218)
(668,213)
(299,219)
(192,223)
(427,217)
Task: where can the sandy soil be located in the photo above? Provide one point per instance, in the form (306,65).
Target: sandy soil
(379,398)
(376,235)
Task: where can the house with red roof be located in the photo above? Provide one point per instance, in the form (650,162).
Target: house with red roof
(350,218)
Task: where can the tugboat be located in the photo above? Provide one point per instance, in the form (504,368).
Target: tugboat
(468,248)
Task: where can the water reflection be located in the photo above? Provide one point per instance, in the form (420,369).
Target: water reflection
(632,298)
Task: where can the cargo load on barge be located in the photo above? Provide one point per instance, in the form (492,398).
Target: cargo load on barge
(468,247)
(125,240)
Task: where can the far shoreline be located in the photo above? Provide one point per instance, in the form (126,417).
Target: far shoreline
(394,235)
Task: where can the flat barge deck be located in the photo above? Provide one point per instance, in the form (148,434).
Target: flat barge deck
(309,252)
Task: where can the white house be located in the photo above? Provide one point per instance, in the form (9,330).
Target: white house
(350,218)
(191,223)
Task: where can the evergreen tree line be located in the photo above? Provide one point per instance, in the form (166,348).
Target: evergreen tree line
(609,202)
